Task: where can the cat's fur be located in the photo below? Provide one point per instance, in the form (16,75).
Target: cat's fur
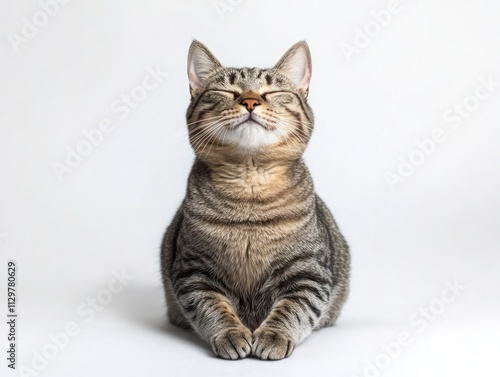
(253,260)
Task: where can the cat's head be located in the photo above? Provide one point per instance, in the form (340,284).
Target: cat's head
(249,111)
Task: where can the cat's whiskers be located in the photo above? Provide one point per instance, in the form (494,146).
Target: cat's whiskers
(191,123)
(200,131)
(288,134)
(207,135)
(202,138)
(303,123)
(204,119)
(212,135)
(216,133)
(207,126)
(210,120)
(196,140)
(298,132)
(293,131)
(285,136)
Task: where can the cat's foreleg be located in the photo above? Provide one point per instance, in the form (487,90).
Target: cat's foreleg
(214,318)
(297,312)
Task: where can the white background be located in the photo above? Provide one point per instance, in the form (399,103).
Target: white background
(442,223)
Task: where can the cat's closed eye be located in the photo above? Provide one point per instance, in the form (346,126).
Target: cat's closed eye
(275,94)
(228,93)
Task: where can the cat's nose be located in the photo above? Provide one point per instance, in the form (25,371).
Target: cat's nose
(250,103)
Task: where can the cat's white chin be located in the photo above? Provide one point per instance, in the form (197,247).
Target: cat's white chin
(252,135)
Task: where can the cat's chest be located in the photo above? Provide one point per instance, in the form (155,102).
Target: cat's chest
(241,255)
(245,256)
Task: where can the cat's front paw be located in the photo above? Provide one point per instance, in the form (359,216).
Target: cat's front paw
(271,344)
(233,343)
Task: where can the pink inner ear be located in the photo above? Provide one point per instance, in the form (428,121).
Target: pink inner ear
(296,65)
(194,83)
(303,84)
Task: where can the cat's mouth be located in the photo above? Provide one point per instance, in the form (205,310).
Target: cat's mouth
(251,132)
(251,122)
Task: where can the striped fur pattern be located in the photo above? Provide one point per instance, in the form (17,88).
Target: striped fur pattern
(253,260)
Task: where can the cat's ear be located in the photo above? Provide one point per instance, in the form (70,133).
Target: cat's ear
(201,63)
(296,64)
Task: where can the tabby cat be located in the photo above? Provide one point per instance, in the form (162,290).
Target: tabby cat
(253,261)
